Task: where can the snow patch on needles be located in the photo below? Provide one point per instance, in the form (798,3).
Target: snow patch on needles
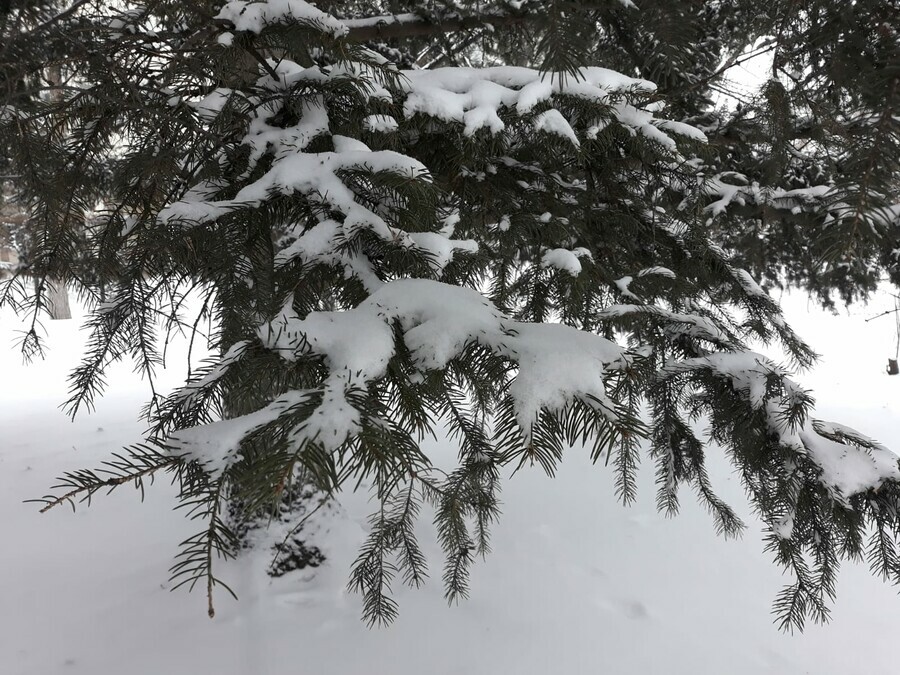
(658,271)
(474,97)
(215,445)
(812,199)
(694,325)
(748,371)
(552,122)
(380,124)
(358,343)
(212,104)
(850,462)
(322,244)
(438,320)
(441,249)
(313,174)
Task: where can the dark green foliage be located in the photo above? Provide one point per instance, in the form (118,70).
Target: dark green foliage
(165,110)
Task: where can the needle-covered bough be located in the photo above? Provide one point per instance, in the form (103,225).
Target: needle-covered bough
(516,260)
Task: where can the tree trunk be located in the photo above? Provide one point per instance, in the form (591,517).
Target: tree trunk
(57,294)
(58,300)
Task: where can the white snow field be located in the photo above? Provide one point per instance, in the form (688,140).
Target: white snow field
(576,583)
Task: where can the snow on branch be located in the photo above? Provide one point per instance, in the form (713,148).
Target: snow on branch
(555,364)
(215,445)
(848,462)
(823,199)
(478,99)
(255,16)
(241,15)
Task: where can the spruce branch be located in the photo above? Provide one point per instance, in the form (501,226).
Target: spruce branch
(140,462)
(194,561)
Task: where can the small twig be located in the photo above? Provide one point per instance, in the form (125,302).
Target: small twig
(66,13)
(210,579)
(885,313)
(296,529)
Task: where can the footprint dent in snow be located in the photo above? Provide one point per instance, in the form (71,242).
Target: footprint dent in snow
(634,609)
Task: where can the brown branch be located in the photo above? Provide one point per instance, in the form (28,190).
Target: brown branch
(411,25)
(211,581)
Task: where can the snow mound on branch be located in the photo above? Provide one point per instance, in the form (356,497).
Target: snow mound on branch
(316,244)
(848,469)
(681,129)
(380,123)
(190,391)
(696,326)
(565,260)
(644,123)
(748,371)
(255,16)
(438,321)
(475,97)
(657,270)
(812,199)
(826,199)
(440,248)
(384,20)
(321,244)
(558,364)
(212,104)
(357,343)
(283,141)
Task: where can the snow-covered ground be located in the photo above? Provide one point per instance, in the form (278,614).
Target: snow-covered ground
(576,583)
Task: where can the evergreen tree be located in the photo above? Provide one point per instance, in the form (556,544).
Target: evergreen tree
(523,256)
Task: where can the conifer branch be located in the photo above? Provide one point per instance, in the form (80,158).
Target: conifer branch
(141,463)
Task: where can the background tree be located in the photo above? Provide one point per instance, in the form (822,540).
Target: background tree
(528,258)
(30,70)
